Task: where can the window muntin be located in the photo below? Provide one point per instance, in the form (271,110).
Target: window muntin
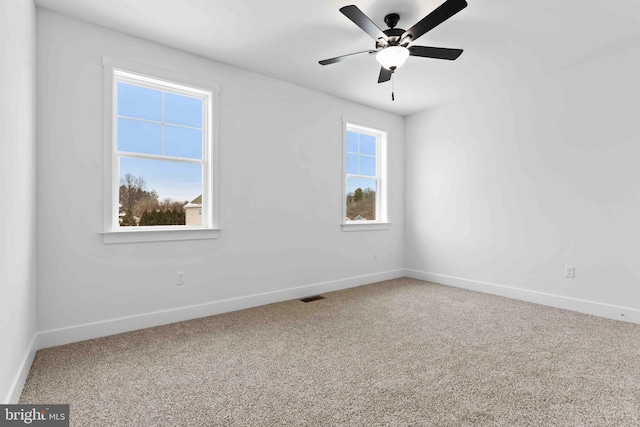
(364,175)
(160,150)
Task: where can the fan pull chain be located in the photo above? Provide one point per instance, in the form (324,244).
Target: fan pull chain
(393,98)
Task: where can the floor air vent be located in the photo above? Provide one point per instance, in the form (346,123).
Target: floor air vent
(310,299)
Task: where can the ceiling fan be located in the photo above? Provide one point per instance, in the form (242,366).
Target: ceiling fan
(393,45)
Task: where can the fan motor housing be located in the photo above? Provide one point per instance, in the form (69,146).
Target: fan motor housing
(394,35)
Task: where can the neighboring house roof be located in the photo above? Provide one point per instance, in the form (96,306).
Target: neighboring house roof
(195,203)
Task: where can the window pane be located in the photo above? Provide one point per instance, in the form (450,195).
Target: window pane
(182,142)
(139,137)
(367,145)
(139,102)
(361,199)
(352,164)
(363,183)
(154,192)
(367,166)
(352,142)
(182,110)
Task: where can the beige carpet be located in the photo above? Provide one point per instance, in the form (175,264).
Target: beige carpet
(396,353)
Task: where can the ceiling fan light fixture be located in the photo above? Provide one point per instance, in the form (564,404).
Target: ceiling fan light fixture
(392,57)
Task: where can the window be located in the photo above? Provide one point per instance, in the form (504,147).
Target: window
(162,144)
(364,178)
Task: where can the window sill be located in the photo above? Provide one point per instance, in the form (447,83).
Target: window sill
(365,226)
(163,235)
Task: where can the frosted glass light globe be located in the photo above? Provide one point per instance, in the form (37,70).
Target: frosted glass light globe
(392,57)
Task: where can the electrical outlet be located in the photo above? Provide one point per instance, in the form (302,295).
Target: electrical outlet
(180,278)
(569,271)
(375,254)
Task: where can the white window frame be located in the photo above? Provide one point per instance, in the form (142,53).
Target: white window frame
(382,220)
(115,71)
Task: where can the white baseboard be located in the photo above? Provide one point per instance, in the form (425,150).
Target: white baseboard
(583,306)
(21,376)
(83,332)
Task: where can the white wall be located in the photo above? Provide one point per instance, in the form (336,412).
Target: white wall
(535,167)
(17,192)
(281,166)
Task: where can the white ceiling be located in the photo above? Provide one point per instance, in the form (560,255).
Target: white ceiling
(285,39)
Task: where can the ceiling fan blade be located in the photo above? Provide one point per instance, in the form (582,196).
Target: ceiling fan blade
(435,52)
(361,20)
(344,57)
(443,12)
(385,75)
